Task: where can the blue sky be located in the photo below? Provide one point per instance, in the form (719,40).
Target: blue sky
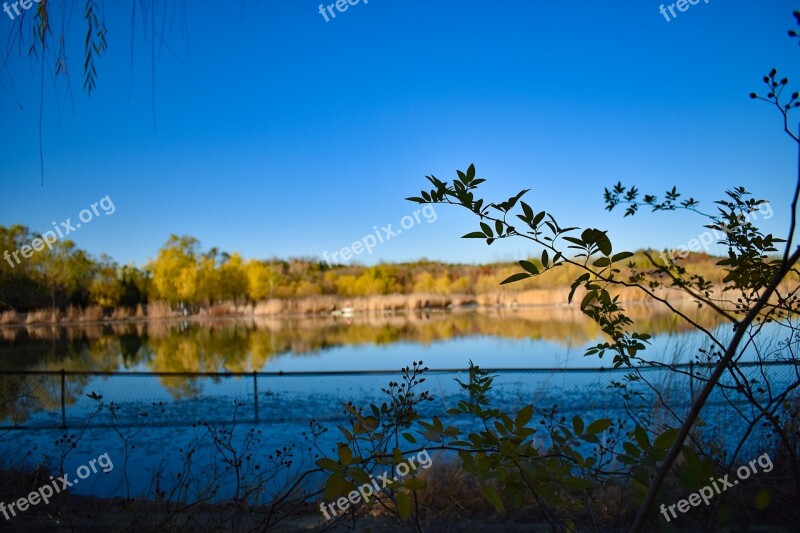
(274,133)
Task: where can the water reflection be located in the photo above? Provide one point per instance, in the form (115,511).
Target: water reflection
(238,345)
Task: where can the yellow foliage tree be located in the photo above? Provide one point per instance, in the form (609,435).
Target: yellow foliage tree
(261,280)
(175,271)
(233,279)
(105,288)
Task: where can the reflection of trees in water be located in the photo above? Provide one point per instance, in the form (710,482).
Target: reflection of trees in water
(194,350)
(21,396)
(181,387)
(246,345)
(566,326)
(71,348)
(53,349)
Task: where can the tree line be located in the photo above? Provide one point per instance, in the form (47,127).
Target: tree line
(184,275)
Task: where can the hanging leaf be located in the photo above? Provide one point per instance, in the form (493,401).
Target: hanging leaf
(493,497)
(515,277)
(403,505)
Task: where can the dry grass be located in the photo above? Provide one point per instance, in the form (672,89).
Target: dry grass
(159,310)
(452,500)
(367,304)
(41,316)
(10,317)
(451,492)
(73,314)
(268,307)
(121,313)
(219,310)
(92,313)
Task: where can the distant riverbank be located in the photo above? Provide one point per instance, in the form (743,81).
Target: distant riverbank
(316,305)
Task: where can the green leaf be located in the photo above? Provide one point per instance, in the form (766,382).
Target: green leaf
(665,440)
(474,235)
(575,241)
(590,296)
(410,438)
(530,267)
(493,497)
(631,449)
(515,277)
(576,483)
(603,243)
(620,256)
(524,416)
(403,505)
(640,434)
(397,455)
(576,284)
(528,211)
(486,229)
(328,464)
(577,425)
(415,483)
(371,424)
(360,476)
(692,460)
(763,499)
(335,487)
(602,262)
(345,455)
(598,426)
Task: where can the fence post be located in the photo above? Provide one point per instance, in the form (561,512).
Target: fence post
(471,383)
(255,392)
(63,400)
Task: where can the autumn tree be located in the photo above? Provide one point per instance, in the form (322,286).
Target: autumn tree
(233,278)
(261,279)
(175,271)
(106,289)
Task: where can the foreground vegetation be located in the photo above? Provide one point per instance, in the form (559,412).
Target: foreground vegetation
(528,469)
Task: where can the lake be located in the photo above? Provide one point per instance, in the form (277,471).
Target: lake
(119,396)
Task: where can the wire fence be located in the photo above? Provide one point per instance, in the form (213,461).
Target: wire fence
(45,399)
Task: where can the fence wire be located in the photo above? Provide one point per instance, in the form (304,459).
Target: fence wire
(71,399)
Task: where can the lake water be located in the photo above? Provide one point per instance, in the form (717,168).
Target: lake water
(521,338)
(150,422)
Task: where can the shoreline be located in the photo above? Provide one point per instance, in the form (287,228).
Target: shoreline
(242,314)
(324,305)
